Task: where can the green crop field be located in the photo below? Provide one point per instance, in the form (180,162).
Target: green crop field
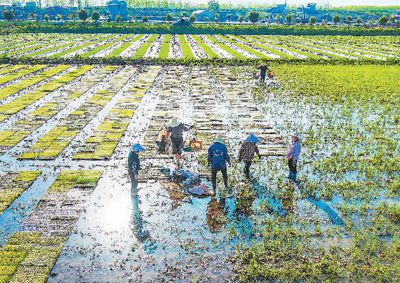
(72,105)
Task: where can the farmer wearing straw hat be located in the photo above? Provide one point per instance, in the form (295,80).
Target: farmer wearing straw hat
(176,130)
(247,151)
(134,166)
(217,158)
(293,156)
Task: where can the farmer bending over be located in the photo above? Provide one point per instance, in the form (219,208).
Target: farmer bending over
(217,158)
(247,151)
(293,156)
(162,140)
(176,130)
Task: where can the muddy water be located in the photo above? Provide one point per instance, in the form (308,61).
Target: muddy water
(162,234)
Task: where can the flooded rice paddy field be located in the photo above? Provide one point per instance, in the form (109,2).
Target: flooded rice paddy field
(198,47)
(67,212)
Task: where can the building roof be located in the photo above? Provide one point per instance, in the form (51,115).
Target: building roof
(198,12)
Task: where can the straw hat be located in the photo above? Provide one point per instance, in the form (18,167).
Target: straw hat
(252,138)
(295,135)
(174,122)
(219,139)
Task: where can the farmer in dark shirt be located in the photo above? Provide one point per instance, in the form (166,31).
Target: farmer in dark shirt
(134,166)
(247,151)
(263,71)
(176,130)
(217,158)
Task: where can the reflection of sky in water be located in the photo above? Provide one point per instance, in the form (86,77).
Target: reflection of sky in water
(105,235)
(107,242)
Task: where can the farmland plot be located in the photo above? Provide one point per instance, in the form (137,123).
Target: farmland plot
(130,46)
(68,212)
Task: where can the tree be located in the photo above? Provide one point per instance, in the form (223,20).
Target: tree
(241,19)
(46,18)
(359,20)
(31,15)
(213,6)
(289,18)
(254,17)
(118,18)
(71,16)
(206,19)
(383,20)
(83,15)
(8,15)
(59,17)
(169,17)
(336,19)
(216,17)
(313,20)
(349,19)
(229,17)
(145,19)
(192,19)
(392,19)
(278,18)
(95,16)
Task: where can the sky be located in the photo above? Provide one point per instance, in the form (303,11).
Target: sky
(321,2)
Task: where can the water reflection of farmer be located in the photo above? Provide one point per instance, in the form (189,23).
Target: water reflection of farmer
(134,167)
(215,215)
(293,156)
(140,233)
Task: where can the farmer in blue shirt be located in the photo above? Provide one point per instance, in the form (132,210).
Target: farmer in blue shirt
(217,158)
(134,166)
(293,156)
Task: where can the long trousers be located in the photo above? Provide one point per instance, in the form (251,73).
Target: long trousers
(292,169)
(247,165)
(214,178)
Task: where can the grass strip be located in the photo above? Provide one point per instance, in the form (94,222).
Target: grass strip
(9,69)
(207,49)
(48,50)
(79,47)
(117,51)
(12,190)
(221,45)
(20,73)
(165,47)
(142,50)
(103,46)
(186,49)
(20,103)
(263,47)
(246,48)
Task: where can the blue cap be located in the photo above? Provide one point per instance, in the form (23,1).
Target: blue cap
(252,138)
(138,148)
